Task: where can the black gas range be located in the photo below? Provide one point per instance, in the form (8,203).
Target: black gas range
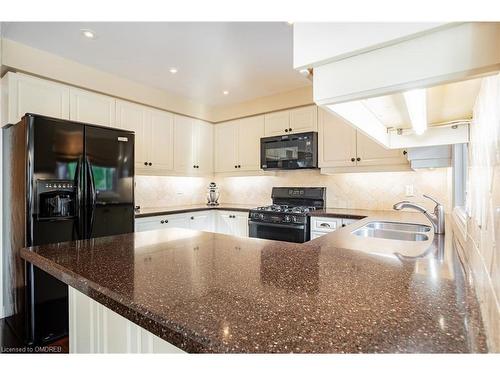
(287,219)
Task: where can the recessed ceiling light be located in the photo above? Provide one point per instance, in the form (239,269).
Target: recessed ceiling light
(289,22)
(88,33)
(173,70)
(225,92)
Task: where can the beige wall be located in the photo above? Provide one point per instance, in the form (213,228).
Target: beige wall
(480,243)
(294,98)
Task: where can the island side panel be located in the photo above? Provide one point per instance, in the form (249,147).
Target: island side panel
(93,328)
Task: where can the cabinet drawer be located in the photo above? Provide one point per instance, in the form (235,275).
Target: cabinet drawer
(325,224)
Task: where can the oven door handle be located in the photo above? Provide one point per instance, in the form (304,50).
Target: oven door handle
(287,226)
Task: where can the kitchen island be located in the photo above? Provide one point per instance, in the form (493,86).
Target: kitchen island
(208,292)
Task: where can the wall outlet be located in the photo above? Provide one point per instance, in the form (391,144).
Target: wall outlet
(409,191)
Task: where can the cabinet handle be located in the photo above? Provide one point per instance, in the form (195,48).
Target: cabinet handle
(326,225)
(236,166)
(145,163)
(358,159)
(289,129)
(353,160)
(192,217)
(405,152)
(150,164)
(162,222)
(239,166)
(286,130)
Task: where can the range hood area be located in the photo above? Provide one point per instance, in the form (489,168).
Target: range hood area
(403,85)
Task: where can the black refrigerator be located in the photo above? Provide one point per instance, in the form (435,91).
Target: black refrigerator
(63,181)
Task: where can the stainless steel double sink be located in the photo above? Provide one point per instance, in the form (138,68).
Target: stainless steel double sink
(394,231)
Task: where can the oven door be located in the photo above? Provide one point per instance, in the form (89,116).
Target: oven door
(279,232)
(289,151)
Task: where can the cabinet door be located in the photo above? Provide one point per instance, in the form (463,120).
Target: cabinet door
(371,153)
(240,224)
(134,117)
(224,222)
(28,94)
(183,144)
(92,108)
(336,141)
(203,141)
(304,119)
(250,131)
(201,221)
(162,141)
(276,123)
(226,145)
(177,221)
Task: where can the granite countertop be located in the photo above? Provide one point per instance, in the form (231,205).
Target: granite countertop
(155,211)
(208,292)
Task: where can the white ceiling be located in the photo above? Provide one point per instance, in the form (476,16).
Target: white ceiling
(249,59)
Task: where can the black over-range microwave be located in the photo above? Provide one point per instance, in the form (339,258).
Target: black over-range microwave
(293,151)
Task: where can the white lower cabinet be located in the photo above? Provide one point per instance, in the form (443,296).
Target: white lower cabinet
(225,222)
(324,225)
(233,223)
(93,328)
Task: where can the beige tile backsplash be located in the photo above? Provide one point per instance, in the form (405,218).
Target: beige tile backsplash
(348,190)
(377,191)
(155,191)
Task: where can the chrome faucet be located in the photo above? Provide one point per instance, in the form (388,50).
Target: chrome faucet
(436,218)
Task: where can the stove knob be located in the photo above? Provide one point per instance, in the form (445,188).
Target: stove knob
(294,219)
(287,218)
(261,216)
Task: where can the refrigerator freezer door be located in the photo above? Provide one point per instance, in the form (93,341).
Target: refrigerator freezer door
(56,149)
(109,181)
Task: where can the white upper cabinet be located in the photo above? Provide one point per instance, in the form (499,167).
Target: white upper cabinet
(237,145)
(304,119)
(183,144)
(25,94)
(277,123)
(298,120)
(89,107)
(161,141)
(343,149)
(226,146)
(134,117)
(250,131)
(371,153)
(153,136)
(193,146)
(336,141)
(203,147)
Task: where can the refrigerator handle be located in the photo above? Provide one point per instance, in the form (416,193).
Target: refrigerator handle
(78,185)
(92,196)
